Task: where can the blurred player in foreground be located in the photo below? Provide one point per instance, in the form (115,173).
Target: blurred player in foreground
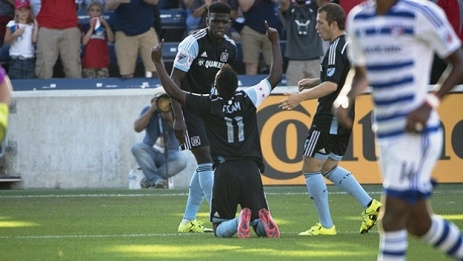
(231,125)
(6,90)
(392,46)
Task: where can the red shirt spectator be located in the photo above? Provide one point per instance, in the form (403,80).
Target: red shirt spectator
(454,11)
(59,15)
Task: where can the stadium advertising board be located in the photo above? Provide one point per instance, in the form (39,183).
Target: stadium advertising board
(283,133)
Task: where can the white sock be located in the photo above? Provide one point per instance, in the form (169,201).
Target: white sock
(445,236)
(393,246)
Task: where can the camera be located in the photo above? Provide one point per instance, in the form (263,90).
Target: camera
(163,102)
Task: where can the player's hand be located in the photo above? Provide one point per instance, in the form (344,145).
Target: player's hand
(307,83)
(342,108)
(289,102)
(416,120)
(180,130)
(272,33)
(156,52)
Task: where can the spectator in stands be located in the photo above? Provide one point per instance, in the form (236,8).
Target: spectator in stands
(21,34)
(84,4)
(304,47)
(58,36)
(97,33)
(6,15)
(157,121)
(253,39)
(135,34)
(199,11)
(192,21)
(170,4)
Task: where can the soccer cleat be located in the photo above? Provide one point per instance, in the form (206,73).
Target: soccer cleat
(192,226)
(243,224)
(369,216)
(144,183)
(271,228)
(319,230)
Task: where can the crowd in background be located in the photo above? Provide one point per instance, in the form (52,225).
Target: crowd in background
(67,46)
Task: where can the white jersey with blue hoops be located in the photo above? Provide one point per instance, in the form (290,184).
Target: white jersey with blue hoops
(397,49)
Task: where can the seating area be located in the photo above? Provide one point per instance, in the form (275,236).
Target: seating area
(173,24)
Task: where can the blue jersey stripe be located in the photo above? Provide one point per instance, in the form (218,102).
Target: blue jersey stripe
(388,30)
(392,133)
(390,66)
(390,117)
(387,102)
(392,83)
(401,14)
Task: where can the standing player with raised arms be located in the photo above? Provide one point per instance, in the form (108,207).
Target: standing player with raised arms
(200,56)
(231,124)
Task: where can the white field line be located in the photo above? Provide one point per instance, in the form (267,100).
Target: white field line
(289,233)
(186,194)
(160,195)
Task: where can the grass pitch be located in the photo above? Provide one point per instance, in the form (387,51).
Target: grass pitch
(122,224)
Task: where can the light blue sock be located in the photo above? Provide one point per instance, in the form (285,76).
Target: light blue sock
(319,194)
(260,228)
(195,198)
(347,182)
(227,228)
(206,179)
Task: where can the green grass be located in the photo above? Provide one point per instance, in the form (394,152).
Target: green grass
(122,224)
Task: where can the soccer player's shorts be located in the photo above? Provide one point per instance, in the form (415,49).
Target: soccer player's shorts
(237,182)
(322,145)
(407,163)
(196,131)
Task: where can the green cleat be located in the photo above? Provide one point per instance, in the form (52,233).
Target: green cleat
(318,230)
(369,216)
(193,226)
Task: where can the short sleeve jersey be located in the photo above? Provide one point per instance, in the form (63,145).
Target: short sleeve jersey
(202,58)
(397,50)
(303,41)
(231,125)
(334,68)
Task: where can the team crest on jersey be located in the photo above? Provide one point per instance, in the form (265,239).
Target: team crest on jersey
(224,57)
(397,30)
(195,141)
(182,58)
(330,71)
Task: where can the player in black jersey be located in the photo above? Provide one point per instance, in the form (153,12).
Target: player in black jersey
(231,125)
(199,58)
(327,140)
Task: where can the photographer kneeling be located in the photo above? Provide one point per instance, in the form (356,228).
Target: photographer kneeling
(158,155)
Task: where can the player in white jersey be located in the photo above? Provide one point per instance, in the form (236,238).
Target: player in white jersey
(392,45)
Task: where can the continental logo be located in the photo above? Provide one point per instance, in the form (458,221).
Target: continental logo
(282,134)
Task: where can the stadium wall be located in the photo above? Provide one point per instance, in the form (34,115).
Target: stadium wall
(78,133)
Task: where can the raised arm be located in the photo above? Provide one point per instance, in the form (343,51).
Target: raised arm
(169,85)
(276,67)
